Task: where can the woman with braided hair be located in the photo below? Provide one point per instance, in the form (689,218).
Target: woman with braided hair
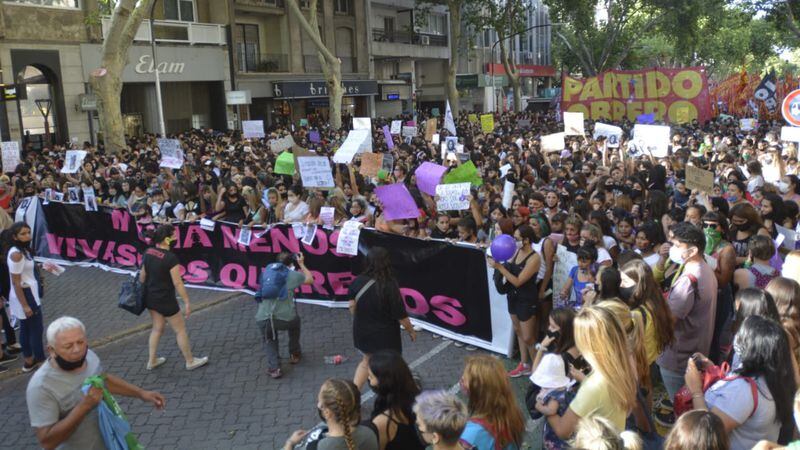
(339,406)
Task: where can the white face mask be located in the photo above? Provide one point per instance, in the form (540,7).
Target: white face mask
(519,244)
(676,255)
(783,187)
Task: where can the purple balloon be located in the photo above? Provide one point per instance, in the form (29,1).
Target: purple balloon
(503,248)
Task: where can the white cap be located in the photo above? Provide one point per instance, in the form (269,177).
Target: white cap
(551,374)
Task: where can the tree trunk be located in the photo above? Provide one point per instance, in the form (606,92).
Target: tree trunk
(511,73)
(107,86)
(331,65)
(455,40)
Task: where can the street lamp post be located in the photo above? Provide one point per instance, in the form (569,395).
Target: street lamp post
(161,126)
(44,105)
(494,89)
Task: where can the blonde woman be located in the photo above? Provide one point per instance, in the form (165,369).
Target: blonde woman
(495,421)
(597,433)
(610,389)
(256,213)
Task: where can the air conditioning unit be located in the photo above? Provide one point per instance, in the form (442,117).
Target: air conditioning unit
(425,40)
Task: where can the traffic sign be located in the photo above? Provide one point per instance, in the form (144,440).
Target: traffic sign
(791,108)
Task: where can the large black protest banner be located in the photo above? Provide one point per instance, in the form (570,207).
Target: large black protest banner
(444,285)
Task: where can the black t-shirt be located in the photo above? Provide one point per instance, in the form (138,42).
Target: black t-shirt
(234,210)
(158,281)
(375,324)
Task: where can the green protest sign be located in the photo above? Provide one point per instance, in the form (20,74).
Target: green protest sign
(284,165)
(465,173)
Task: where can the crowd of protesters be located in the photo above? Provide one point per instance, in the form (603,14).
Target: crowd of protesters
(668,282)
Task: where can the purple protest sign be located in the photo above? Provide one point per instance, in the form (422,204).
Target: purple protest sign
(646,118)
(428,176)
(411,123)
(313,136)
(397,202)
(388,136)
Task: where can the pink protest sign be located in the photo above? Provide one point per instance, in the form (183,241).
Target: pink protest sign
(397,202)
(428,176)
(388,136)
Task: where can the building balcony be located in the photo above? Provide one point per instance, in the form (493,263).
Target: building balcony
(176,32)
(261,63)
(312,65)
(409,44)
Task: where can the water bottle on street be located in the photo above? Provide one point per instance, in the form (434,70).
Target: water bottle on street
(335,359)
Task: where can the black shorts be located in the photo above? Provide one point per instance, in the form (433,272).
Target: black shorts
(164,307)
(523,308)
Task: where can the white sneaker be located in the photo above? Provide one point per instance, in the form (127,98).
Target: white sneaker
(159,361)
(197,362)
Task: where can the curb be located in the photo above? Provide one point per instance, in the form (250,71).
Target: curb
(102,342)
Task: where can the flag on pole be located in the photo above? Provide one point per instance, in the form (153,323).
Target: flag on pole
(449,123)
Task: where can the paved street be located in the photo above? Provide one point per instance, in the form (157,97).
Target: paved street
(232,403)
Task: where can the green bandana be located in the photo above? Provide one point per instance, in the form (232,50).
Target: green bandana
(713,238)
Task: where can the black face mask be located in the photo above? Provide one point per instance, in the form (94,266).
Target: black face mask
(626,292)
(555,335)
(70,365)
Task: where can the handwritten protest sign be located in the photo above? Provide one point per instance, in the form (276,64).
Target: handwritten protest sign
(371,164)
(348,238)
(700,179)
(409,131)
(253,129)
(326,214)
(428,176)
(612,134)
(73,161)
(430,129)
(487,123)
(10,151)
(790,134)
(387,136)
(573,124)
(397,202)
(452,196)
(350,146)
(790,237)
(315,171)
(281,144)
(651,139)
(171,153)
(553,142)
(748,124)
(396,126)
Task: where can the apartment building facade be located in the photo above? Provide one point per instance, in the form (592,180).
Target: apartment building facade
(48,49)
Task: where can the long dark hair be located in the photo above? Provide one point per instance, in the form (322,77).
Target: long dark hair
(379,268)
(563,317)
(763,349)
(158,235)
(9,239)
(754,302)
(396,389)
(647,294)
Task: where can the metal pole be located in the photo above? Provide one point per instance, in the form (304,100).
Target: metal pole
(161,126)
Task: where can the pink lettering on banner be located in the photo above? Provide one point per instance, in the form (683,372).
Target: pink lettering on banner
(340,282)
(334,240)
(420,306)
(91,251)
(108,255)
(317,286)
(284,242)
(194,236)
(71,253)
(229,238)
(446,309)
(195,272)
(120,220)
(259,244)
(127,255)
(54,243)
(233,275)
(321,242)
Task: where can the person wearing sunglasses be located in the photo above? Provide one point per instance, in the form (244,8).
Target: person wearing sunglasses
(721,256)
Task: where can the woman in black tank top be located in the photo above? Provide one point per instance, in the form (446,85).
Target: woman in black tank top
(395,390)
(523,295)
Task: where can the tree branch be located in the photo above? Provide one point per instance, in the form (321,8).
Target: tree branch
(313,31)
